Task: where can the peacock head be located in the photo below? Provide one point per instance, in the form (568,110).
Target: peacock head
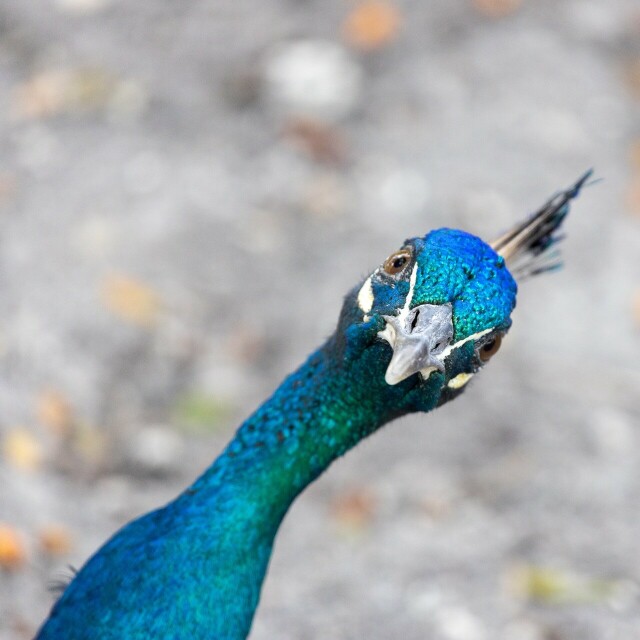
(443,302)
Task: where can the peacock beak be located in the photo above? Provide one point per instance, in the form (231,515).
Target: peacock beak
(418,338)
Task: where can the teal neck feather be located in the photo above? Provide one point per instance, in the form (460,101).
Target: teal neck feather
(195,568)
(318,413)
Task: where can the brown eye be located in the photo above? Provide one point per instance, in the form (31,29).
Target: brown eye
(488,349)
(396,262)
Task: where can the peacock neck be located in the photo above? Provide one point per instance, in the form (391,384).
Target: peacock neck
(317,414)
(195,567)
(233,511)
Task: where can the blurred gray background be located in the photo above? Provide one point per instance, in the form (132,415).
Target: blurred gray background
(186,192)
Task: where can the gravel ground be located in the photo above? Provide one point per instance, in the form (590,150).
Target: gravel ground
(186,192)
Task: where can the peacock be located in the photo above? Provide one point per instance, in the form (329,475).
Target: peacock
(409,338)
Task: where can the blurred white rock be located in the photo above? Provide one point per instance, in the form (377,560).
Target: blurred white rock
(313,78)
(523,630)
(156,447)
(458,623)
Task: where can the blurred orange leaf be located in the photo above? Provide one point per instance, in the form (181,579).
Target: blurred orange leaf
(355,509)
(12,550)
(54,411)
(496,8)
(55,540)
(130,300)
(633,196)
(372,25)
(22,449)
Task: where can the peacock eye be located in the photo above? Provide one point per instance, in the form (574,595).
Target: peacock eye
(488,349)
(396,262)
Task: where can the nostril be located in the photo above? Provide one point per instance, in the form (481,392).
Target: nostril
(414,321)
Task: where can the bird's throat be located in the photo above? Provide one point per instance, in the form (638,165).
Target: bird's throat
(317,414)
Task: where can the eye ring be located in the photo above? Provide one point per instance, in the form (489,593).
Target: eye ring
(489,349)
(397,262)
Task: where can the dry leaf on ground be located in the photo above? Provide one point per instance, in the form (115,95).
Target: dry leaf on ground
(130,300)
(13,554)
(54,411)
(633,196)
(22,449)
(355,509)
(322,142)
(372,25)
(55,540)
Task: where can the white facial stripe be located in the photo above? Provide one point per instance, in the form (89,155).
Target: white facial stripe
(388,334)
(412,283)
(451,347)
(365,296)
(459,381)
(445,352)
(425,373)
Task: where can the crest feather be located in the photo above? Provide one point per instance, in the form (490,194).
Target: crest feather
(529,247)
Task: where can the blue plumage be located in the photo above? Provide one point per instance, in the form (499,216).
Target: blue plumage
(408,339)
